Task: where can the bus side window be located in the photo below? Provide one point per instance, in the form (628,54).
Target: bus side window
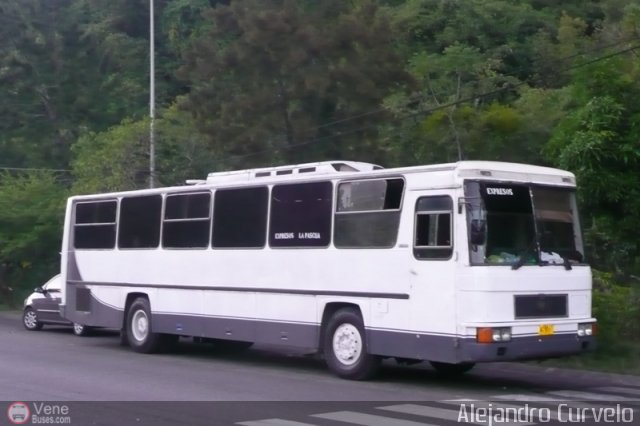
(187,220)
(139,224)
(95,224)
(433,237)
(240,218)
(368,213)
(301,215)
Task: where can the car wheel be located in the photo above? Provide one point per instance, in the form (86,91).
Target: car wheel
(345,347)
(448,369)
(80,330)
(30,320)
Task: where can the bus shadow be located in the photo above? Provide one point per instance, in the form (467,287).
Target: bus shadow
(483,378)
(94,332)
(391,372)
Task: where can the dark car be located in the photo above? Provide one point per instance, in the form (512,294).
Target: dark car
(42,307)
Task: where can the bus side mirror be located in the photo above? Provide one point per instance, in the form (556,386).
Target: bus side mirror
(477,233)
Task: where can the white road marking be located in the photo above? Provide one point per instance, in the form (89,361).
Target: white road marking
(553,413)
(273,422)
(367,419)
(445,414)
(618,389)
(527,398)
(589,396)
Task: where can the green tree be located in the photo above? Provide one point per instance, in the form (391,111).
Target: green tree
(599,140)
(71,66)
(118,158)
(31,216)
(114,160)
(452,88)
(35,72)
(269,78)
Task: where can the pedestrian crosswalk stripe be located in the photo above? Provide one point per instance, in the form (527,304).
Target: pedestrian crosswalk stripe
(589,396)
(618,389)
(367,419)
(572,401)
(527,398)
(273,422)
(553,414)
(440,413)
(423,410)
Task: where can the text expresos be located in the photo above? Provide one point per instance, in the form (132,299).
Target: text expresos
(499,191)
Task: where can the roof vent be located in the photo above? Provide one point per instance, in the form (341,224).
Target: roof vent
(324,167)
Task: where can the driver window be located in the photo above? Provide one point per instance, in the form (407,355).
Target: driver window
(433,237)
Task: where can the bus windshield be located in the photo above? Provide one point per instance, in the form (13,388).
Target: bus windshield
(521,224)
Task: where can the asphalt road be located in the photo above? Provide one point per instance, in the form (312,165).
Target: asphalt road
(100,382)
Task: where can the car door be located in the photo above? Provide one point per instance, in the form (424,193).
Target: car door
(47,306)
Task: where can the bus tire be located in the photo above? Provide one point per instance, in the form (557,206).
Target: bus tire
(448,369)
(139,334)
(345,347)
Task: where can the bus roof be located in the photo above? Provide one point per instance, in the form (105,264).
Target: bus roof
(348,169)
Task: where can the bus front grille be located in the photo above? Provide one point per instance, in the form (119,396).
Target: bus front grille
(541,306)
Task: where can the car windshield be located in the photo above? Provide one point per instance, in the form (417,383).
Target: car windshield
(53,284)
(519,224)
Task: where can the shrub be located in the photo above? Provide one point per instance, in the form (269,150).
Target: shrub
(617,308)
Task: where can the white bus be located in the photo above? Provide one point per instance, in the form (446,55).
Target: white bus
(453,263)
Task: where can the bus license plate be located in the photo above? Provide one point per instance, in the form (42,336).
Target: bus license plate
(545,330)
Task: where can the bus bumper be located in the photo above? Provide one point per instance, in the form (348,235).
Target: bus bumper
(525,347)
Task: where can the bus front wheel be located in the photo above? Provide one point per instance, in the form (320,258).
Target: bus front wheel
(345,346)
(139,334)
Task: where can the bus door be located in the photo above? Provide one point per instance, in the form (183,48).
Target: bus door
(433,266)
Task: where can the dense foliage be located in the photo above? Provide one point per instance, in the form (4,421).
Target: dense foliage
(248,83)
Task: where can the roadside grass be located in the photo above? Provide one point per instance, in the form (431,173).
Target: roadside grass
(4,307)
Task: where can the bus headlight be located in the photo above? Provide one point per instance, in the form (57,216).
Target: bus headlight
(492,335)
(586,329)
(505,334)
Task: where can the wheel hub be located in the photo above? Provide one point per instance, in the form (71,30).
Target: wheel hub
(347,344)
(30,319)
(140,325)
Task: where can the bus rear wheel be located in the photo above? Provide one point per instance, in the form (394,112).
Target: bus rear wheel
(448,369)
(139,334)
(345,347)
